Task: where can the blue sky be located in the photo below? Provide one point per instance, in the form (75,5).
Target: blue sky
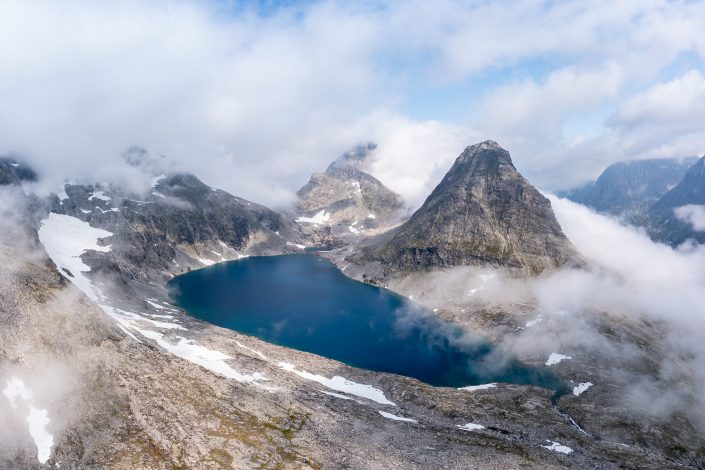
(272,91)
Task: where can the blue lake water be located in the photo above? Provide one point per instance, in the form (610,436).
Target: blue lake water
(304,302)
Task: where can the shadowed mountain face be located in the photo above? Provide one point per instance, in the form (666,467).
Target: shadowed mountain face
(180,222)
(348,197)
(13,172)
(483,212)
(628,189)
(666,223)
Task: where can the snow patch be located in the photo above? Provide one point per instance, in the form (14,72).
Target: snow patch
(37,419)
(556,358)
(208,358)
(472,388)
(471,427)
(320,218)
(251,350)
(156,180)
(397,418)
(65,239)
(341,384)
(531,323)
(371,216)
(581,387)
(100,195)
(62,195)
(556,447)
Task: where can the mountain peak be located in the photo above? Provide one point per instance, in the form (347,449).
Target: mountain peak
(354,158)
(483,212)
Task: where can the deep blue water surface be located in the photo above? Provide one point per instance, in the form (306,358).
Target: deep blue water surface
(304,302)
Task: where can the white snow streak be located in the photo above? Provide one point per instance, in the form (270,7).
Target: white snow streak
(556,447)
(341,384)
(320,218)
(581,388)
(556,358)
(472,388)
(471,427)
(397,418)
(37,419)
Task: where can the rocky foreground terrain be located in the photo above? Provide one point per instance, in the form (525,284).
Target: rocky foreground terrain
(99,370)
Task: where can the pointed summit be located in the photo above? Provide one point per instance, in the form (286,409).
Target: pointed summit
(483,212)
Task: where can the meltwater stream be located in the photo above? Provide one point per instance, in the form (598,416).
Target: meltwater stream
(304,302)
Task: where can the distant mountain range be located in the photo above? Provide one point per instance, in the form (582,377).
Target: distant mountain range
(649,193)
(629,189)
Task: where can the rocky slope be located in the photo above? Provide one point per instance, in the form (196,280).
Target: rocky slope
(629,189)
(483,212)
(668,217)
(347,198)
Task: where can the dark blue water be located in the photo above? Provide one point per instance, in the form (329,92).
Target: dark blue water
(304,302)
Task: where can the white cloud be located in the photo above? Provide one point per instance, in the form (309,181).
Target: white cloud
(678,105)
(255,103)
(692,214)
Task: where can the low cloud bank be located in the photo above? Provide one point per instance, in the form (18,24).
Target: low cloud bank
(649,293)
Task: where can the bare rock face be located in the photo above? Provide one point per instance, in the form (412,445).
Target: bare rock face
(482,213)
(346,197)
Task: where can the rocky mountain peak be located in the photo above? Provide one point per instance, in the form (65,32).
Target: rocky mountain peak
(483,212)
(346,197)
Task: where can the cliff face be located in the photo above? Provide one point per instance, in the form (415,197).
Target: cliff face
(483,212)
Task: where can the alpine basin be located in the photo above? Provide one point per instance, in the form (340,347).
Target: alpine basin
(304,302)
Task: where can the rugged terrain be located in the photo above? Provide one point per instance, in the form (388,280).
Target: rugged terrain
(126,380)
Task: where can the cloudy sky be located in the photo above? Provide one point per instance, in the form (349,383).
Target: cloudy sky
(254,96)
